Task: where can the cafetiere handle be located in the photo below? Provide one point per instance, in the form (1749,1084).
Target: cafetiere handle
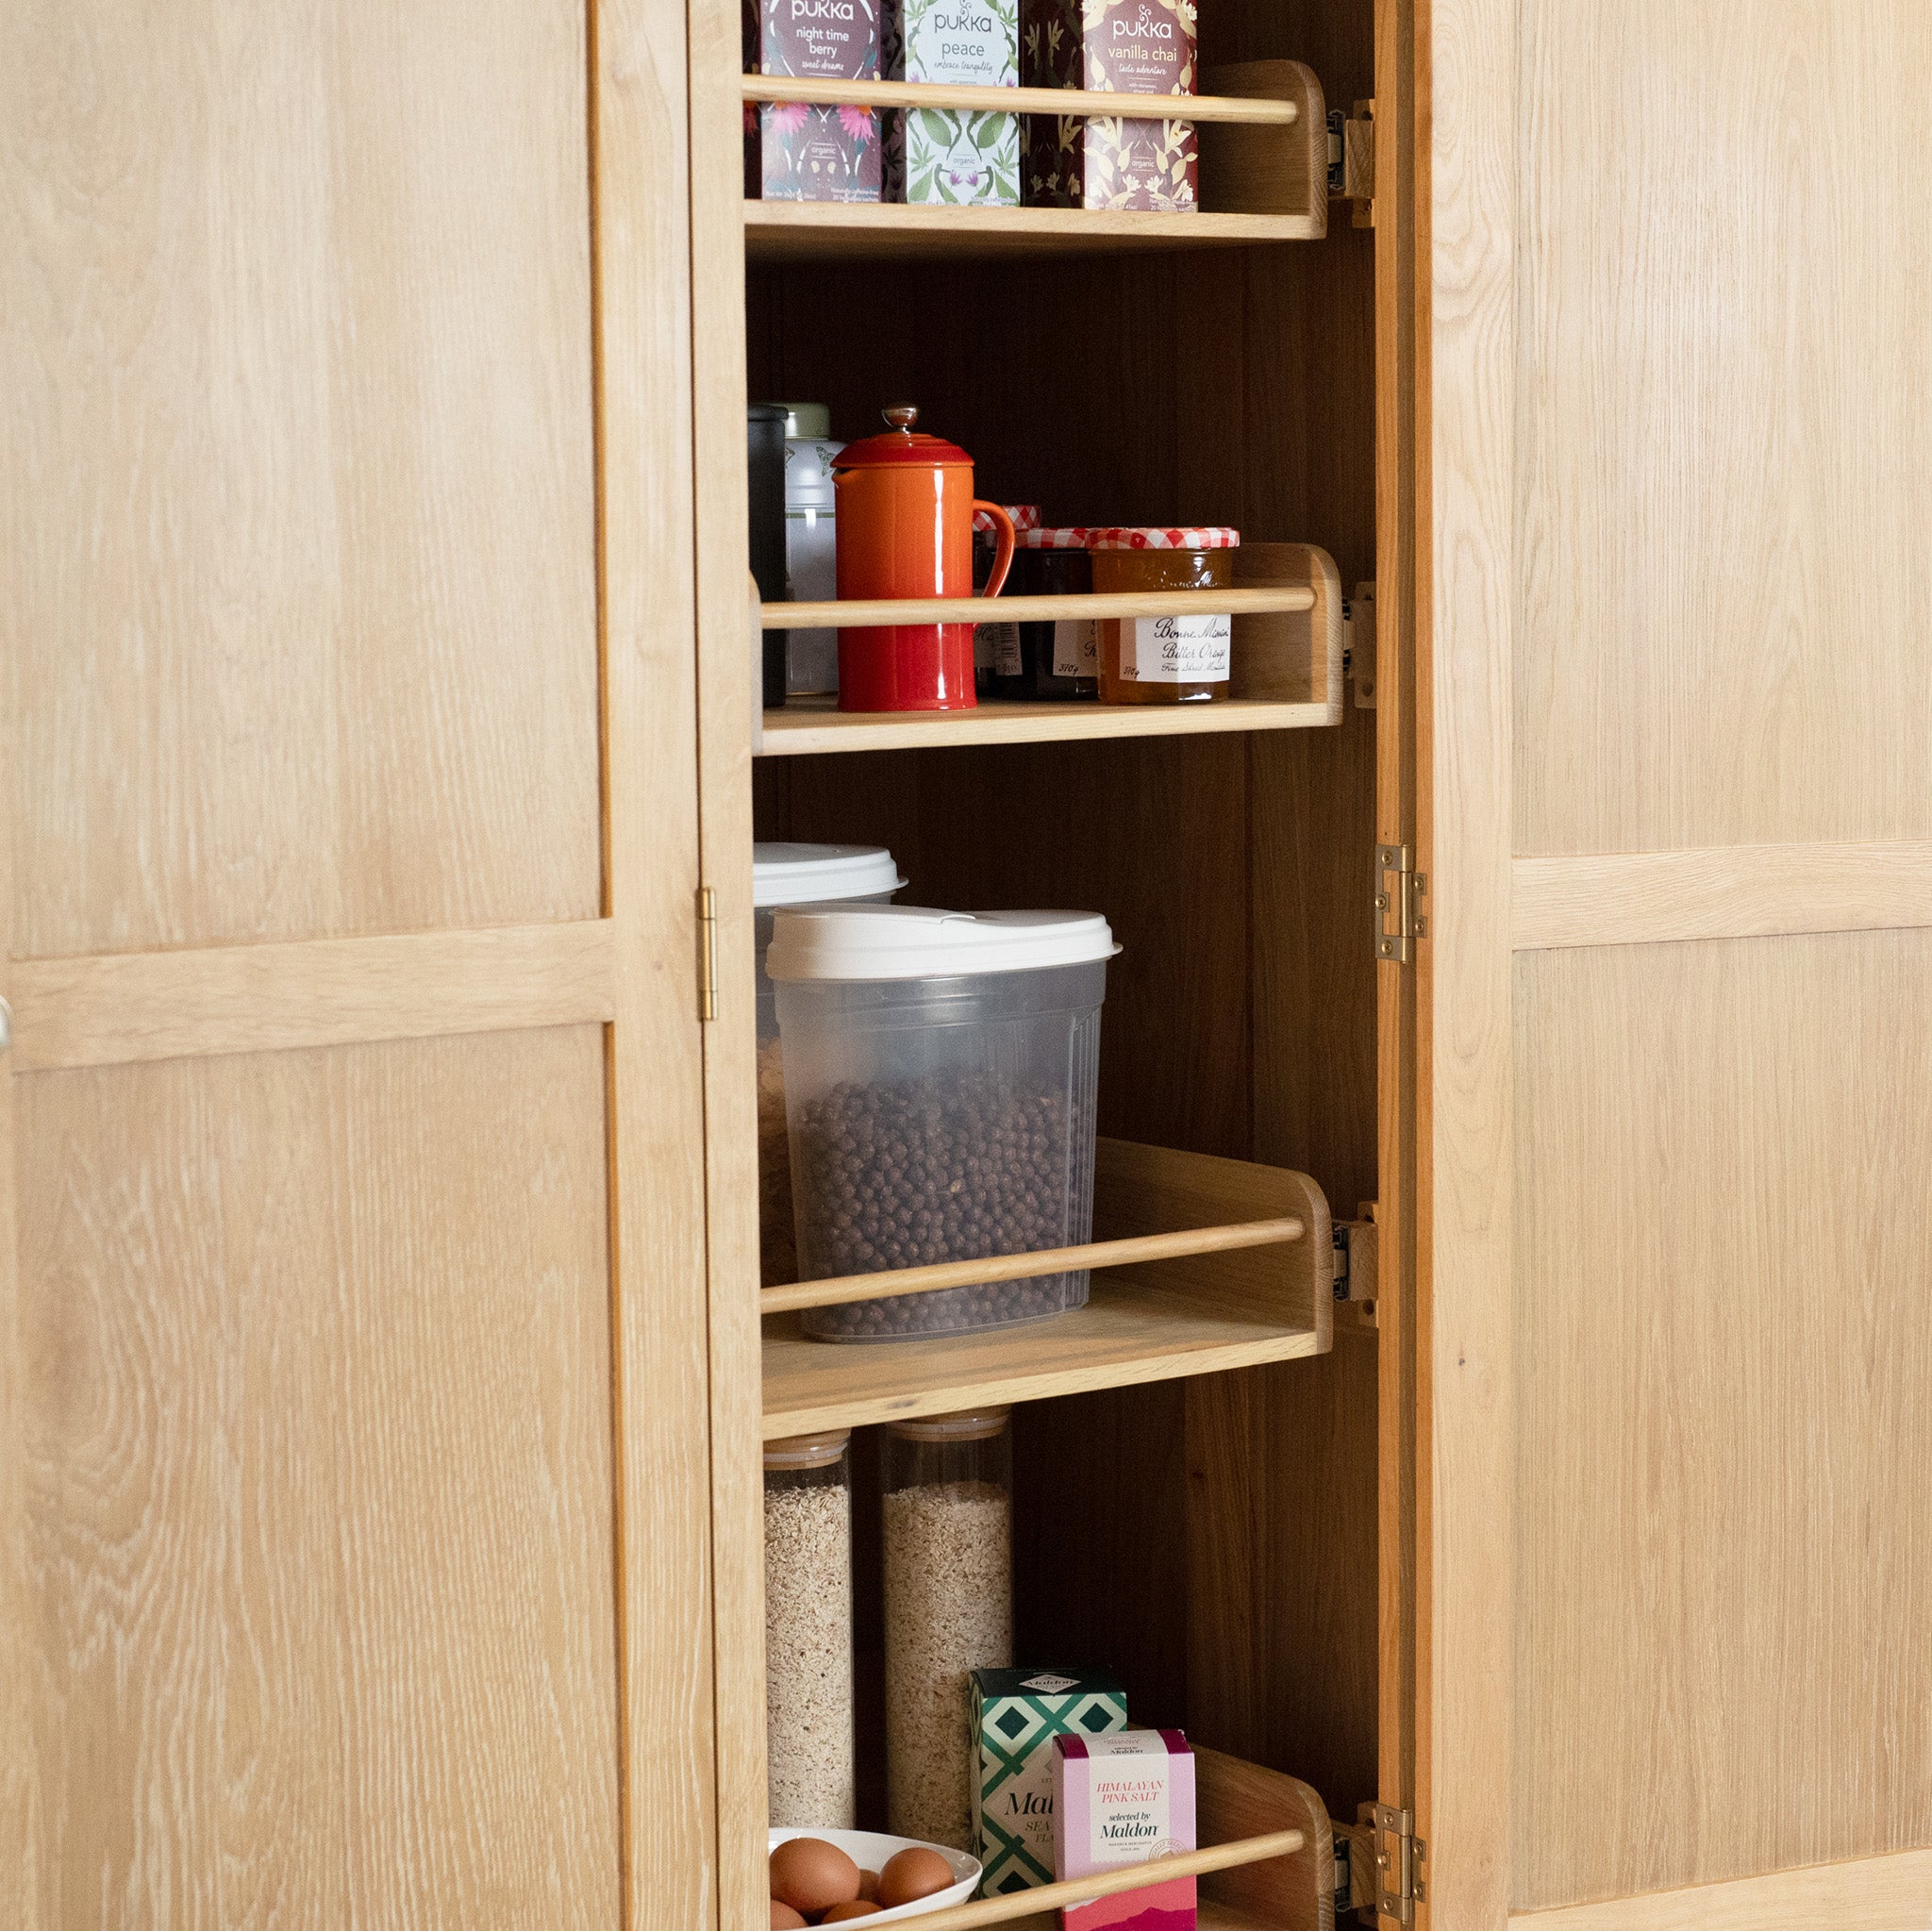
(1003,554)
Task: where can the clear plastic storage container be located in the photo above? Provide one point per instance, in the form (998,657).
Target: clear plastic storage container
(790,875)
(939,1092)
(809,1777)
(946,1489)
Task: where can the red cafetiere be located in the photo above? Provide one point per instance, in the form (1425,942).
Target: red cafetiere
(905,529)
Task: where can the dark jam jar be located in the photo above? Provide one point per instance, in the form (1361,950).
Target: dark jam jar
(1165,659)
(1057,660)
(996,646)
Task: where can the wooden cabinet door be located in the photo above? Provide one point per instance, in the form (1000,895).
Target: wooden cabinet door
(1678,1162)
(354,1513)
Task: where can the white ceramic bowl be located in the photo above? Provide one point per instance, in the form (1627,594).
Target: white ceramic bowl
(869,1849)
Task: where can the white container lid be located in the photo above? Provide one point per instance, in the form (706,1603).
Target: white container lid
(786,874)
(917,942)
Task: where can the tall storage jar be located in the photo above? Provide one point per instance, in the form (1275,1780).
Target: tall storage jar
(809,1777)
(940,1075)
(785,875)
(946,1489)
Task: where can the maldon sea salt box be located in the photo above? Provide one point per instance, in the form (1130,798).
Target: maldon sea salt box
(942,155)
(1122,1800)
(1016,1716)
(798,153)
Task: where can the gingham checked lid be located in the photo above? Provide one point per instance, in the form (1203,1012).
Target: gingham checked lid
(1125,539)
(1026,517)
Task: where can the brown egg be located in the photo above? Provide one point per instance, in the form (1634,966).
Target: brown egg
(914,1873)
(785,1919)
(860,1908)
(869,1885)
(812,1876)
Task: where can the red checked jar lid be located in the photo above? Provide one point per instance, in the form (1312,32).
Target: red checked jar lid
(1144,539)
(900,443)
(1026,517)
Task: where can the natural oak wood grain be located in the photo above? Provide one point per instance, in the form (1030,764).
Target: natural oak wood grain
(1871,1894)
(809,726)
(1735,891)
(318,1487)
(1722,491)
(299,510)
(1706,1486)
(850,1289)
(834,231)
(1066,103)
(119,1007)
(882,610)
(671,1115)
(1237,1799)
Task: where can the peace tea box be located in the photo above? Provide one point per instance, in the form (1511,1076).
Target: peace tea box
(1016,1716)
(1119,1800)
(794,152)
(940,155)
(1118,46)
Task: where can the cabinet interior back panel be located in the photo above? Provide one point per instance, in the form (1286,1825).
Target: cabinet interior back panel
(1722,497)
(316,1466)
(300,636)
(1723,1552)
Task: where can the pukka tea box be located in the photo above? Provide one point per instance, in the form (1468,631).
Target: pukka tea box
(940,155)
(1109,46)
(794,152)
(1016,1716)
(1122,1800)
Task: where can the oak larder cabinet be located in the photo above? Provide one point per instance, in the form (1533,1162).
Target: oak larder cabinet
(381,1375)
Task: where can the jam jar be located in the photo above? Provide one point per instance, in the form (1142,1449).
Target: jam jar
(996,646)
(1164,659)
(1057,660)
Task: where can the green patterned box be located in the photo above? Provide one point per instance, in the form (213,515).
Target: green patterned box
(1016,1715)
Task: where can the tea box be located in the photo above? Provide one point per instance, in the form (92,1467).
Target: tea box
(1122,1800)
(1117,46)
(940,155)
(1016,1716)
(794,152)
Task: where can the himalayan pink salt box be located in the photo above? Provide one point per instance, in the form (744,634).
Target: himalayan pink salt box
(1122,1800)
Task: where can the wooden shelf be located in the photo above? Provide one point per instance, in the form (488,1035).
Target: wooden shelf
(1196,1315)
(867,231)
(1262,126)
(811,725)
(1287,610)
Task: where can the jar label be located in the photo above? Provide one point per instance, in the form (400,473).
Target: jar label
(1075,648)
(1005,648)
(1176,650)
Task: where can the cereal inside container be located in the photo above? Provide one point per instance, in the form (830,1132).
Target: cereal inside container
(941,1070)
(809,1775)
(947,1492)
(790,875)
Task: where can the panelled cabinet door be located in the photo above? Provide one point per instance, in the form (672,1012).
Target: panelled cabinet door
(1678,1545)
(353,1474)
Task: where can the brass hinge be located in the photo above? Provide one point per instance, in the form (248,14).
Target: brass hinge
(1352,161)
(707,953)
(1399,1856)
(1403,898)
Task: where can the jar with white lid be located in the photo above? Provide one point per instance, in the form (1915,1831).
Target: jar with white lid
(941,1070)
(809,1778)
(946,1496)
(787,874)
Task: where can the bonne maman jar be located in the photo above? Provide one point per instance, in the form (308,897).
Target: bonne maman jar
(1164,659)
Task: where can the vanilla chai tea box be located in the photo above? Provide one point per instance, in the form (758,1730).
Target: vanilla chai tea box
(794,152)
(942,155)
(1016,1716)
(1109,46)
